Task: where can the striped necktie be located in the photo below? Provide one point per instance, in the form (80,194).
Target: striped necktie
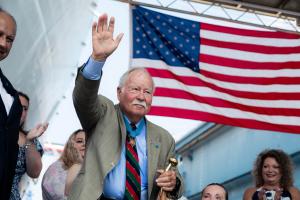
(133,179)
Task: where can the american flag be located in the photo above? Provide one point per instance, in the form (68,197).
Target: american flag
(233,76)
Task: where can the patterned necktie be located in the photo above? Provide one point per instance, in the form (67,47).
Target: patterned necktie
(133,179)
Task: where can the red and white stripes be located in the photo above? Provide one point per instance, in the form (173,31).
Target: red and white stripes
(248,78)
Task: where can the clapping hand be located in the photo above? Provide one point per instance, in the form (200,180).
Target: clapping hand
(37,131)
(278,194)
(102,38)
(263,191)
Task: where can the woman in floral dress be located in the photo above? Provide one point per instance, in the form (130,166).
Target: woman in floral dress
(30,150)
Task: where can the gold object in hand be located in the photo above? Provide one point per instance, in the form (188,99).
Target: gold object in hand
(172,163)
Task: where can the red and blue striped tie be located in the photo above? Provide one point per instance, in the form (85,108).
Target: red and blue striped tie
(133,178)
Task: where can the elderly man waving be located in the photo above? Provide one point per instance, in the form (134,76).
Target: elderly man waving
(125,152)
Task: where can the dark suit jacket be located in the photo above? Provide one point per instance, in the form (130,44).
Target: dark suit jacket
(9,135)
(106,130)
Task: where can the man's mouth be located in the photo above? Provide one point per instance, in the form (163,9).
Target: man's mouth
(139,105)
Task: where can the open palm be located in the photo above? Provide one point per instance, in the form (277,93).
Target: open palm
(102,38)
(37,131)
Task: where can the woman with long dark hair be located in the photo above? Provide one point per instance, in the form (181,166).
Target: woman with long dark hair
(30,150)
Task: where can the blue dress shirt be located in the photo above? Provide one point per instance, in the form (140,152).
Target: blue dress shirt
(93,69)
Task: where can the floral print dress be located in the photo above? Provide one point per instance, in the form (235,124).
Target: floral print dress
(21,169)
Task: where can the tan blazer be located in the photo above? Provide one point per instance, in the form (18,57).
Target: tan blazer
(106,131)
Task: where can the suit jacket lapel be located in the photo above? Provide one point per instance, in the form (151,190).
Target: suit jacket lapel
(16,109)
(3,113)
(7,85)
(122,123)
(16,105)
(153,149)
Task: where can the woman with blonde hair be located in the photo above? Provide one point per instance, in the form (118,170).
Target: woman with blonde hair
(273,175)
(60,175)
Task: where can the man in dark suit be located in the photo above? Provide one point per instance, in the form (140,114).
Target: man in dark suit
(110,169)
(10,110)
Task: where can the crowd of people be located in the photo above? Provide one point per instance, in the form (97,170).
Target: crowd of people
(118,154)
(273,177)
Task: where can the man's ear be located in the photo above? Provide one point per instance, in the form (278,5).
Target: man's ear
(119,90)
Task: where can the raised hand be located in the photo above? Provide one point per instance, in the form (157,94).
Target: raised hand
(102,38)
(37,131)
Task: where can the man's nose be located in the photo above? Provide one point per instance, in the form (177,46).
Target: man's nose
(141,95)
(2,41)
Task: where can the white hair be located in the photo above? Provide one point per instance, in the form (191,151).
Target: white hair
(125,76)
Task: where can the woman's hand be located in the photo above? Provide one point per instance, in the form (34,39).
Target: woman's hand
(37,131)
(77,156)
(261,194)
(278,194)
